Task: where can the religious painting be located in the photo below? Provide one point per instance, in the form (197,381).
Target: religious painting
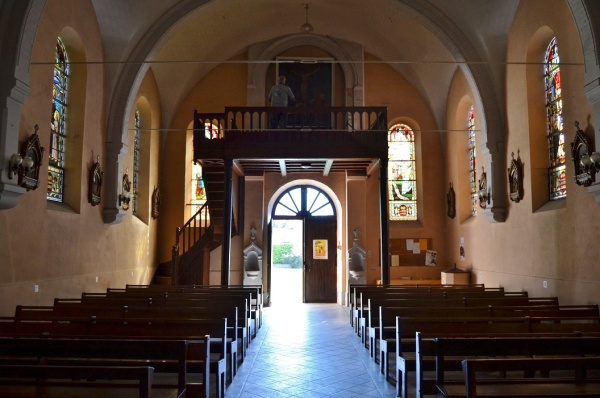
(311,80)
(320,249)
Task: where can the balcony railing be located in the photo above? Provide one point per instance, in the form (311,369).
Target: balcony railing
(216,125)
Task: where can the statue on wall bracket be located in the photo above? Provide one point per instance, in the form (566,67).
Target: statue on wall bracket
(125,196)
(26,165)
(515,178)
(156,196)
(484,195)
(584,158)
(451,199)
(95,183)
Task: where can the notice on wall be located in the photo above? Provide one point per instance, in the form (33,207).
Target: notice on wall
(416,248)
(409,245)
(430,257)
(395,260)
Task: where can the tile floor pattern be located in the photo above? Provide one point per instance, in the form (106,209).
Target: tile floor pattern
(308,350)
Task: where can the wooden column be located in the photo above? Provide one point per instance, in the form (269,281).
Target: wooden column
(384,222)
(227,222)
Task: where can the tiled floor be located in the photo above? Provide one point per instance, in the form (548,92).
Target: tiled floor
(308,350)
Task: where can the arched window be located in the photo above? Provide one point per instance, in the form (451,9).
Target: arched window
(136,161)
(303,201)
(554,124)
(402,176)
(472,161)
(58,133)
(198,190)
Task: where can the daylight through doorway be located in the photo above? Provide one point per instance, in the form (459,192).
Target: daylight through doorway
(286,262)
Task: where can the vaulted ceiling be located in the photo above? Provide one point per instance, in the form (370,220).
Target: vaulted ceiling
(425,40)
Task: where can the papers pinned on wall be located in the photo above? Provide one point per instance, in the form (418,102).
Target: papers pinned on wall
(430,257)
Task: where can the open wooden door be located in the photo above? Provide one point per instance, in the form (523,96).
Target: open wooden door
(320,262)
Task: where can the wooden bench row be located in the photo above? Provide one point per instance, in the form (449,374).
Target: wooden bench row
(563,377)
(66,381)
(256,294)
(104,359)
(229,348)
(142,330)
(444,355)
(427,302)
(474,311)
(354,293)
(156,297)
(406,329)
(468,294)
(142,317)
(382,331)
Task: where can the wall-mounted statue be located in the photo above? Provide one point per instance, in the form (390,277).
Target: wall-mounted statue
(95,183)
(451,199)
(515,179)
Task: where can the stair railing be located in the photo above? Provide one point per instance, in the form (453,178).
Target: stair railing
(187,236)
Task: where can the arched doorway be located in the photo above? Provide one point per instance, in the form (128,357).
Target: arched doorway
(312,209)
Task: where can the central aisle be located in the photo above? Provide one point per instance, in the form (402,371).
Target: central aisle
(308,350)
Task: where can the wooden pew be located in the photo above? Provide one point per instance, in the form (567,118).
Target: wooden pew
(474,300)
(254,301)
(172,301)
(93,312)
(456,294)
(356,290)
(107,310)
(406,329)
(387,319)
(255,290)
(138,329)
(65,381)
(559,386)
(200,294)
(108,352)
(375,299)
(448,352)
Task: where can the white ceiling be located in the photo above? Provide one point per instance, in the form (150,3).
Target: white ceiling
(420,38)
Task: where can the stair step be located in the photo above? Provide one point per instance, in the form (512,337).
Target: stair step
(215,194)
(162,280)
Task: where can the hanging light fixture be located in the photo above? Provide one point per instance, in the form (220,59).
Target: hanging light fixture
(306,26)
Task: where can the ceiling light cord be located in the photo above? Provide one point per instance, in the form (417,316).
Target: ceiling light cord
(306,26)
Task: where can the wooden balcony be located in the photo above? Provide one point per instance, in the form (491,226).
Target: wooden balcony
(341,133)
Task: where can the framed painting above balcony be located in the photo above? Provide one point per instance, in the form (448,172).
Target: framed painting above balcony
(311,79)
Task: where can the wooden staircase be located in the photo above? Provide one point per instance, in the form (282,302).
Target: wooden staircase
(201,234)
(214,184)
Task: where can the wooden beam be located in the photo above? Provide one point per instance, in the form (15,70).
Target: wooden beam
(282,167)
(327,168)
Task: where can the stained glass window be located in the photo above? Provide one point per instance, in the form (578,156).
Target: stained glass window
(136,160)
(198,190)
(303,201)
(211,131)
(58,134)
(402,178)
(472,159)
(554,124)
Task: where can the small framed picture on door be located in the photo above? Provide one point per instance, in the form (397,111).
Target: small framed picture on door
(320,249)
